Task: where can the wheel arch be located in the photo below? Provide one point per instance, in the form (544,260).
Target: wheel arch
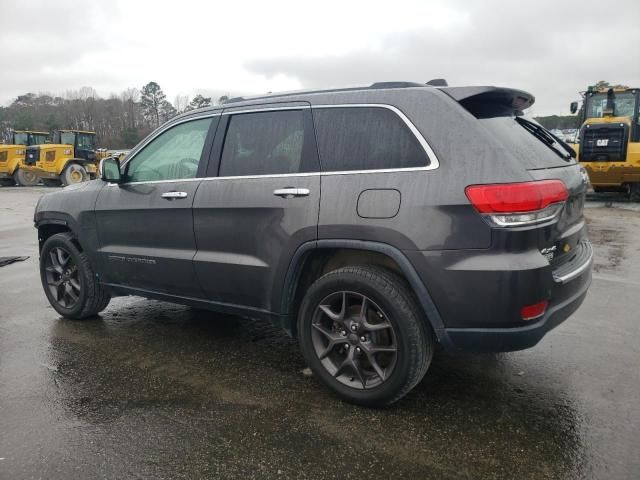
(52,226)
(380,253)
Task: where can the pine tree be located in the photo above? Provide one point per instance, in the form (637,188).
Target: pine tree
(152,99)
(199,102)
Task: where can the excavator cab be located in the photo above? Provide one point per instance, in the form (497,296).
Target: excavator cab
(12,156)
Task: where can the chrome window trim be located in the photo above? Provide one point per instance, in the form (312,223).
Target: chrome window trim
(266,109)
(434,162)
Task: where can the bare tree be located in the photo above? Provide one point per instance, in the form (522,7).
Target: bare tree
(181,102)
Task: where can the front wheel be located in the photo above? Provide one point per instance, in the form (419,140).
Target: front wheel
(68,279)
(634,192)
(26,178)
(362,334)
(74,173)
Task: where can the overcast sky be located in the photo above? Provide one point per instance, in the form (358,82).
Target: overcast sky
(552,49)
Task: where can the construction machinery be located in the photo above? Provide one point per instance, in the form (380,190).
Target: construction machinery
(609,139)
(71,158)
(12,168)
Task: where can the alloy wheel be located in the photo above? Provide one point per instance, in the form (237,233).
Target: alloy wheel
(62,277)
(354,340)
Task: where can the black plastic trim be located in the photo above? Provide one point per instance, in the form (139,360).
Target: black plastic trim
(297,264)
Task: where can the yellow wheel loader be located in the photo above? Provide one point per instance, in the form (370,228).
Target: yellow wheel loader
(609,139)
(12,155)
(71,158)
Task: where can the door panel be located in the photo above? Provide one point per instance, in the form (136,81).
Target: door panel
(146,240)
(249,221)
(145,225)
(247,235)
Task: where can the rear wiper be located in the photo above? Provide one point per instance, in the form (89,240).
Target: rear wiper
(547,137)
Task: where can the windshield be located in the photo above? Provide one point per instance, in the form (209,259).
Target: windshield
(20,139)
(86,141)
(623,104)
(67,138)
(37,139)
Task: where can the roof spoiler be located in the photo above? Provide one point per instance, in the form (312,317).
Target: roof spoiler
(488,101)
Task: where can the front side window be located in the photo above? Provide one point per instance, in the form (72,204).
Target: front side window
(264,143)
(365,138)
(173,155)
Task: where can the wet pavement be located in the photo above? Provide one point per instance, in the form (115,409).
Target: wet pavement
(154,390)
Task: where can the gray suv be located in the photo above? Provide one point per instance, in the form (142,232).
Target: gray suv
(369,223)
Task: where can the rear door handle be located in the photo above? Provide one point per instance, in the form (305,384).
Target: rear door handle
(291,192)
(174,195)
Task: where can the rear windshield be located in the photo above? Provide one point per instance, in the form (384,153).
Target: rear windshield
(528,142)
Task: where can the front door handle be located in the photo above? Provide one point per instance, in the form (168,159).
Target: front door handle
(174,195)
(291,192)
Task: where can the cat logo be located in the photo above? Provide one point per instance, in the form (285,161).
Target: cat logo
(602,142)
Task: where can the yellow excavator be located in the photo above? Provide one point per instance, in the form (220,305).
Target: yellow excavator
(12,155)
(71,158)
(609,139)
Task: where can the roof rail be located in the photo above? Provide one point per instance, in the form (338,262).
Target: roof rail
(376,85)
(395,85)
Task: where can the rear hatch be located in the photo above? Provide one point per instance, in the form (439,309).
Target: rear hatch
(541,154)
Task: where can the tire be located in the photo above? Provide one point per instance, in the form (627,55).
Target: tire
(7,182)
(397,320)
(66,273)
(26,178)
(74,173)
(50,182)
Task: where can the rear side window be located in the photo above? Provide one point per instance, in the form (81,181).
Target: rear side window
(264,143)
(365,138)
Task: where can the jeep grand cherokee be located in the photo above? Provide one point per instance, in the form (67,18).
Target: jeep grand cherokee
(370,223)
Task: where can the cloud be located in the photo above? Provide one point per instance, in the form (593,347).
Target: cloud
(552,49)
(47,46)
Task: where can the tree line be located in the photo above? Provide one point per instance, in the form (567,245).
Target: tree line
(119,121)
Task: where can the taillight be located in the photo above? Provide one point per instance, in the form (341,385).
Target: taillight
(516,204)
(530,312)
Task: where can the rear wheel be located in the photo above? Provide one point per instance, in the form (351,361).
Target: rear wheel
(74,173)
(26,178)
(362,334)
(68,279)
(634,192)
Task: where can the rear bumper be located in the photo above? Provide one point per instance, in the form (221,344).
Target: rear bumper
(479,296)
(518,338)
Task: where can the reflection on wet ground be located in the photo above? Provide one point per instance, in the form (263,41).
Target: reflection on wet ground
(154,390)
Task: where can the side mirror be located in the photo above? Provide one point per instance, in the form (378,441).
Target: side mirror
(110,170)
(573,107)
